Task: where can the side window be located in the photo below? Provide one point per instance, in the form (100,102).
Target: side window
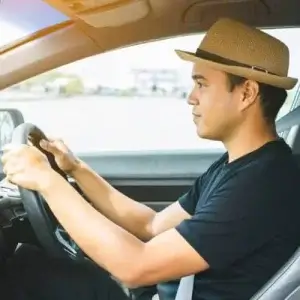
(292,101)
(289,36)
(130,99)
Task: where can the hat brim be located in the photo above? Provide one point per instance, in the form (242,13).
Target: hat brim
(286,83)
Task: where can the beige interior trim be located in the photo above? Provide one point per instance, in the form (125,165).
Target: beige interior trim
(166,18)
(103,13)
(248,10)
(72,8)
(117,16)
(35,36)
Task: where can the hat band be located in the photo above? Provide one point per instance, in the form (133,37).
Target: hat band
(225,61)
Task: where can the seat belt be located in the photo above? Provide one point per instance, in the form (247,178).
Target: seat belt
(185,288)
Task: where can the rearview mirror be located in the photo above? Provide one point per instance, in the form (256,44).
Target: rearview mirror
(9,120)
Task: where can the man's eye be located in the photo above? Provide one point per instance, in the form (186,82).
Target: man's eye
(200,85)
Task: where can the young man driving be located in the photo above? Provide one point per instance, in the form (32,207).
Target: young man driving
(235,227)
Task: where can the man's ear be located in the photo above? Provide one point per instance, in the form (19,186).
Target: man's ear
(250,92)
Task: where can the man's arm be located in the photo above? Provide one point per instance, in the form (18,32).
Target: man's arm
(135,263)
(135,217)
(132,261)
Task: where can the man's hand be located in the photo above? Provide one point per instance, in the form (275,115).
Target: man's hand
(26,166)
(64,157)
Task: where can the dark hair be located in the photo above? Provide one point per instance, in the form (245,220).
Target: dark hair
(271,98)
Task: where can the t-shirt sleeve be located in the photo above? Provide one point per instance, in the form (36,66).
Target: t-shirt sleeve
(236,220)
(189,200)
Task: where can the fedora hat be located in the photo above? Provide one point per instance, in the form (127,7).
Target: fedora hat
(241,50)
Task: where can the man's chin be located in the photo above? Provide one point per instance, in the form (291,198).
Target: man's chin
(206,135)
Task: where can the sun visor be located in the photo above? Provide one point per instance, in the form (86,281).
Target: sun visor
(103,13)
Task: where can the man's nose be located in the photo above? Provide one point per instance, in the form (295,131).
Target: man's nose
(192,99)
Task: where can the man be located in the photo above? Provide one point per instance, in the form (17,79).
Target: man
(235,227)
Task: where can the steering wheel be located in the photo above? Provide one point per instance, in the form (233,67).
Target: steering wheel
(52,237)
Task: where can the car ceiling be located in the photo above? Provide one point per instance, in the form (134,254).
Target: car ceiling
(114,26)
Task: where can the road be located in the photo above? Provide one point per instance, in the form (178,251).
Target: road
(94,124)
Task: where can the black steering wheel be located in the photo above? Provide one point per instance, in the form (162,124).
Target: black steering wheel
(52,237)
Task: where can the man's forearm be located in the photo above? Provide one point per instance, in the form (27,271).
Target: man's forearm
(122,210)
(106,243)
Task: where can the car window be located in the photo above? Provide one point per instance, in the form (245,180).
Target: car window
(130,99)
(17,24)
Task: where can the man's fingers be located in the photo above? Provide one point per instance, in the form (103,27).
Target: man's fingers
(7,151)
(46,145)
(55,147)
(9,147)
(12,166)
(11,178)
(52,138)
(49,146)
(55,140)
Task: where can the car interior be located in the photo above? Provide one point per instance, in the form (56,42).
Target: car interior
(156,179)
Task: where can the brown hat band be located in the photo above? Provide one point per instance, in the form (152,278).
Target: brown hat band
(225,61)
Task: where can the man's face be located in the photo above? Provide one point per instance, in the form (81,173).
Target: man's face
(216,110)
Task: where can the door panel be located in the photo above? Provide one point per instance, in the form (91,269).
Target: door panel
(155,196)
(154,179)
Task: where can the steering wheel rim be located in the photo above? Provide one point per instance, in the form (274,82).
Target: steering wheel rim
(43,222)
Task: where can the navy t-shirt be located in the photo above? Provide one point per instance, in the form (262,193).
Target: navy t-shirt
(245,221)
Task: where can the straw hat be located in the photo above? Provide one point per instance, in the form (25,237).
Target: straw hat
(239,49)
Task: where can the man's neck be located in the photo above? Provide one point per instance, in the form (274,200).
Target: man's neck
(244,142)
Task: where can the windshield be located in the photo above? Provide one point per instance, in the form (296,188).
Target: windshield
(131,99)
(19,19)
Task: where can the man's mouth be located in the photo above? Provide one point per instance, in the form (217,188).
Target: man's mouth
(196,117)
